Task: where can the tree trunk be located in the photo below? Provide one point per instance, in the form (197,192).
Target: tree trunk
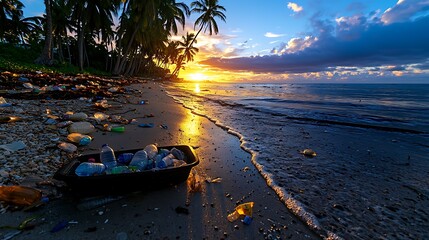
(45,57)
(60,50)
(80,40)
(122,59)
(68,50)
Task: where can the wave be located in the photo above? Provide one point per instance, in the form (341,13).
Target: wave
(291,203)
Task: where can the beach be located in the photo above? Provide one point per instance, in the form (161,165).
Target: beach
(368,179)
(153,215)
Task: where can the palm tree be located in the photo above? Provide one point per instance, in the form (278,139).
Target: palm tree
(145,27)
(188,51)
(9,9)
(210,10)
(172,12)
(62,25)
(91,18)
(20,28)
(45,57)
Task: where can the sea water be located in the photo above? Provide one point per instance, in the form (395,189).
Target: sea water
(370,176)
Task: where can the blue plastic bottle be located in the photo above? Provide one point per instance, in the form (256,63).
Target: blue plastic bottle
(140,160)
(107,157)
(90,169)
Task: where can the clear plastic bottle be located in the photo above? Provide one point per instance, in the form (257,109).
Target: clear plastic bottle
(140,160)
(151,150)
(20,195)
(168,160)
(107,157)
(125,158)
(90,169)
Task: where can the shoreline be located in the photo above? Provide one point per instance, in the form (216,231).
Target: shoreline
(152,215)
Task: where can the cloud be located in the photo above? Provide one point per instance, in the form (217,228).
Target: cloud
(294,7)
(273,35)
(356,6)
(404,10)
(348,42)
(295,45)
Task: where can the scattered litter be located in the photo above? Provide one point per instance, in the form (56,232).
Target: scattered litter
(163,126)
(308,152)
(244,209)
(79,138)
(194,182)
(106,221)
(61,225)
(11,235)
(67,147)
(94,202)
(99,116)
(214,180)
(146,125)
(142,102)
(14,146)
(9,119)
(3,103)
(117,129)
(245,169)
(247,220)
(113,89)
(102,104)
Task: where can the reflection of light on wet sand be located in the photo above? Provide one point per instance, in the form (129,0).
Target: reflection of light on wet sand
(190,127)
(197,88)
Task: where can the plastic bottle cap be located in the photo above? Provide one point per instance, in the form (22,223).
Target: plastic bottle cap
(247,220)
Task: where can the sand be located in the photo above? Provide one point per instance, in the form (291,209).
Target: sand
(153,215)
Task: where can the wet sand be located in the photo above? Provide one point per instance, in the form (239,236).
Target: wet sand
(153,215)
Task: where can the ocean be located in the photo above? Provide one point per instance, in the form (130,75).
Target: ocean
(369,179)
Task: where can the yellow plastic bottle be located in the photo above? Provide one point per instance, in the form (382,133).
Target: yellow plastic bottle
(244,209)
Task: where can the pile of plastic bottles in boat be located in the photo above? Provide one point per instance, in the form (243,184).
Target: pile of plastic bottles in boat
(148,158)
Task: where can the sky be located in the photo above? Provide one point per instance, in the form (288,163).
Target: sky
(346,41)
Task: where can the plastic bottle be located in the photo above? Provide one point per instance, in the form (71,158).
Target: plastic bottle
(120,169)
(90,169)
(20,195)
(167,161)
(117,129)
(233,216)
(68,147)
(151,150)
(107,157)
(125,158)
(244,209)
(85,140)
(178,154)
(140,160)
(82,139)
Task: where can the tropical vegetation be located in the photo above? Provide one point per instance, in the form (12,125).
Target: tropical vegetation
(119,37)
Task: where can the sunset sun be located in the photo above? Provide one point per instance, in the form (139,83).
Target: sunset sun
(197,77)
